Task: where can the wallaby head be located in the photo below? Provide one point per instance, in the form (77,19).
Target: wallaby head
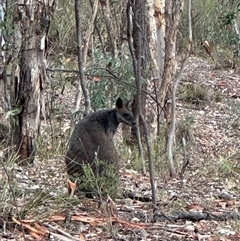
(123,115)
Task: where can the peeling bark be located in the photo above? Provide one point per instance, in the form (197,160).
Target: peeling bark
(27,93)
(173,10)
(155,15)
(139,48)
(89,32)
(4,100)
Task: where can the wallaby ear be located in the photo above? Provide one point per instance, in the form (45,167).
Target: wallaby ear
(129,104)
(119,103)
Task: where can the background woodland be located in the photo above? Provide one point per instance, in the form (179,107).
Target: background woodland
(177,60)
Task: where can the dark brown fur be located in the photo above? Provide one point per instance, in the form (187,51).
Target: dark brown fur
(94,134)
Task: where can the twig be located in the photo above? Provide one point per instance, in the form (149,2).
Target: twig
(136,69)
(62,70)
(186,160)
(151,168)
(112,75)
(67,235)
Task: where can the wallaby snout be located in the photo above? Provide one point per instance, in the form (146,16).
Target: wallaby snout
(94,134)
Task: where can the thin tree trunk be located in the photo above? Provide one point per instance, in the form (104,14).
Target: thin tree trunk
(136,54)
(82,82)
(99,35)
(160,20)
(138,81)
(151,167)
(173,107)
(89,32)
(111,30)
(156,35)
(173,11)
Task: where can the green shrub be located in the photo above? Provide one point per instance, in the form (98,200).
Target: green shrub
(185,129)
(225,166)
(96,183)
(195,94)
(106,84)
(213,21)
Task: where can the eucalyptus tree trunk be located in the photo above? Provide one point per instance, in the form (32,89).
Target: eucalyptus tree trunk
(170,82)
(139,48)
(2,62)
(172,13)
(81,64)
(112,33)
(28,76)
(89,32)
(164,16)
(4,100)
(160,23)
(173,97)
(156,35)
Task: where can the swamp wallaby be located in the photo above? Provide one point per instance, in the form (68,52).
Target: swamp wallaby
(94,134)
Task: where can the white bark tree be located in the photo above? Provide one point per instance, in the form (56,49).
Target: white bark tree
(82,61)
(4,100)
(156,35)
(164,16)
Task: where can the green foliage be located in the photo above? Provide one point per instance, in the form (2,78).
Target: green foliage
(14,112)
(159,152)
(215,22)
(233,122)
(62,34)
(4,135)
(228,18)
(199,95)
(195,94)
(8,185)
(224,166)
(229,166)
(217,97)
(98,183)
(6,190)
(107,88)
(102,67)
(202,12)
(27,191)
(52,140)
(130,156)
(185,129)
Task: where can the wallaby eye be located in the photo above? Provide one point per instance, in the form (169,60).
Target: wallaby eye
(125,114)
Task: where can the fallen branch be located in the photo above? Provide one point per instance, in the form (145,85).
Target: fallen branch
(197,216)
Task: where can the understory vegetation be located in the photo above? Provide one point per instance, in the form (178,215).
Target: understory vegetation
(207,138)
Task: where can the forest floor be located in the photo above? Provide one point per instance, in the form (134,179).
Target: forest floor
(204,205)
